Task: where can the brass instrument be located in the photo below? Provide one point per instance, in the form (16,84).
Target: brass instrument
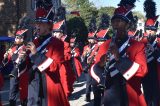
(87,53)
(84,59)
(21,59)
(73,50)
(90,60)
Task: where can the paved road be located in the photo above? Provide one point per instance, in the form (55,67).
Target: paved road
(76,99)
(78,96)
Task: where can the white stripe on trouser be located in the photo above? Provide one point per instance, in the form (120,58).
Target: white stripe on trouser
(20,73)
(94,75)
(113,73)
(150,59)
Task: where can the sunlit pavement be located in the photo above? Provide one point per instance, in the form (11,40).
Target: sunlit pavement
(76,99)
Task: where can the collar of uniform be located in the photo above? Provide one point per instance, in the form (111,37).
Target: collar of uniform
(151,38)
(44,37)
(18,45)
(120,42)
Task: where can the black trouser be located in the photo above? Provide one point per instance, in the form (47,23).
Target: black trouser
(98,93)
(14,89)
(116,94)
(150,85)
(88,83)
(33,89)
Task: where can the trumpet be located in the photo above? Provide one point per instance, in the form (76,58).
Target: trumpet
(91,59)
(73,49)
(87,53)
(21,59)
(26,43)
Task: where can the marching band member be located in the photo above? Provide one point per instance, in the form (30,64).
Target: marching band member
(87,50)
(101,37)
(67,75)
(76,63)
(150,83)
(47,56)
(19,73)
(123,61)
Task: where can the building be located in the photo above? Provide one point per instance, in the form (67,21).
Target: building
(10,13)
(12,10)
(140,24)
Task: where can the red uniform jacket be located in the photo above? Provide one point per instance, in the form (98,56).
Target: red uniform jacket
(78,65)
(135,52)
(66,73)
(49,63)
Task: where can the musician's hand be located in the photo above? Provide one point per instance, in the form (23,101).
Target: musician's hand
(114,50)
(22,54)
(10,52)
(89,60)
(31,46)
(5,55)
(86,52)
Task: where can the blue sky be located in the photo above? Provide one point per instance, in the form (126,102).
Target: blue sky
(139,4)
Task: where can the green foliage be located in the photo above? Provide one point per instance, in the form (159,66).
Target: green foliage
(77,28)
(107,10)
(138,14)
(86,9)
(80,24)
(77,25)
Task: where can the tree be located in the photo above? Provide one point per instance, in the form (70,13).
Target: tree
(138,14)
(86,8)
(107,10)
(77,28)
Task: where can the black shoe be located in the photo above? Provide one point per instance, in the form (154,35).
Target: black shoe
(12,103)
(24,103)
(88,97)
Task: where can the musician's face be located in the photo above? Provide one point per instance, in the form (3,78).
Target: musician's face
(91,41)
(119,25)
(100,42)
(43,28)
(72,44)
(151,32)
(19,39)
